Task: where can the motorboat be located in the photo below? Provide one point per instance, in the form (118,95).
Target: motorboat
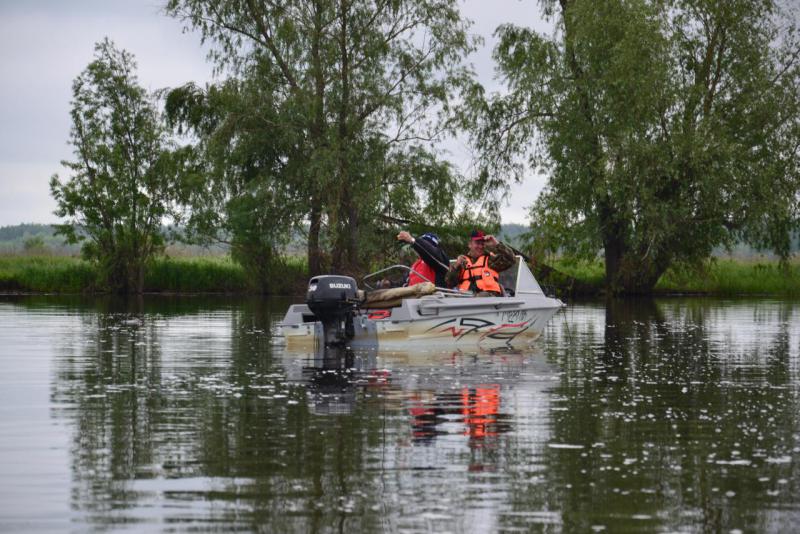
(338,313)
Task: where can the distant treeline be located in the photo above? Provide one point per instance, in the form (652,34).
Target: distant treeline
(31,238)
(37,239)
(34,239)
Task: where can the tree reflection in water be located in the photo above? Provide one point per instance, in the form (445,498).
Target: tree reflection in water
(680,409)
(630,415)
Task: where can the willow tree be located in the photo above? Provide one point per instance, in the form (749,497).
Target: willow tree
(362,89)
(122,182)
(666,128)
(239,190)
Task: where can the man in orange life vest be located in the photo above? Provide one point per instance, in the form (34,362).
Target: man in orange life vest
(432,262)
(478,270)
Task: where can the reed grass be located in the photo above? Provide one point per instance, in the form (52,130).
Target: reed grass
(208,274)
(590,273)
(722,276)
(46,274)
(195,275)
(220,274)
(718,276)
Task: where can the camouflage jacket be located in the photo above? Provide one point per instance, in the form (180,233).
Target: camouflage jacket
(501,257)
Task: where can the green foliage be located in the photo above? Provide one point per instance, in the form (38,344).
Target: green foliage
(47,274)
(717,276)
(237,188)
(587,271)
(195,275)
(326,121)
(184,275)
(34,244)
(123,178)
(666,128)
(223,275)
(732,277)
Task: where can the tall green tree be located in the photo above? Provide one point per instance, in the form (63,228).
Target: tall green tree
(241,189)
(360,92)
(122,180)
(666,128)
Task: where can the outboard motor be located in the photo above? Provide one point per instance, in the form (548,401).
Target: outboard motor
(333,300)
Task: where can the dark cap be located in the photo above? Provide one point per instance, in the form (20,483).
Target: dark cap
(430,237)
(477,235)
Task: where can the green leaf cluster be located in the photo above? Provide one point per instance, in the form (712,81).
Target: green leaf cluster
(666,128)
(326,122)
(122,180)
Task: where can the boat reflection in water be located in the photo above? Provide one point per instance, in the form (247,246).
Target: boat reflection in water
(451,395)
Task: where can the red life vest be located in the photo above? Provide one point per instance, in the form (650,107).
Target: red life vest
(485,278)
(424,269)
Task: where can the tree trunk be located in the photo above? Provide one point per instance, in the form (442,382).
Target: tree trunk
(629,272)
(614,248)
(140,278)
(314,252)
(352,234)
(614,245)
(345,255)
(318,140)
(346,239)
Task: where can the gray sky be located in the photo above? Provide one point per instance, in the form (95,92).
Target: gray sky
(45,44)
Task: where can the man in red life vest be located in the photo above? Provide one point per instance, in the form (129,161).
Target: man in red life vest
(432,262)
(477,271)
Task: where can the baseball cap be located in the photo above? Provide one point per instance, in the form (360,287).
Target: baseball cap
(477,235)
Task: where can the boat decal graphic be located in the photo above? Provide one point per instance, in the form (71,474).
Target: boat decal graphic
(504,331)
(455,331)
(461,327)
(434,327)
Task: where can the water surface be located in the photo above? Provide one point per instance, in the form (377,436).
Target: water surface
(189,414)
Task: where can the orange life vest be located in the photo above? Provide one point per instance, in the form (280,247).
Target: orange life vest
(485,278)
(424,269)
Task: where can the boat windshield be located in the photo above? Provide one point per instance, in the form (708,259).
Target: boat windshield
(521,279)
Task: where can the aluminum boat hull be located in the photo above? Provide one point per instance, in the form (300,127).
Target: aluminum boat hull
(453,321)
(441,319)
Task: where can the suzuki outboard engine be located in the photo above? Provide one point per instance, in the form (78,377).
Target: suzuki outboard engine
(333,300)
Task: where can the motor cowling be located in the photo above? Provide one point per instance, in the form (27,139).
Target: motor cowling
(333,300)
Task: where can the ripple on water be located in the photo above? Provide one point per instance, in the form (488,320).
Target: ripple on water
(669,415)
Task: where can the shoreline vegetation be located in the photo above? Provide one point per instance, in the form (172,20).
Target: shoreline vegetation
(661,140)
(720,276)
(188,275)
(220,274)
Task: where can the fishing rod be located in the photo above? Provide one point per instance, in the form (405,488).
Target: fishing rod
(397,220)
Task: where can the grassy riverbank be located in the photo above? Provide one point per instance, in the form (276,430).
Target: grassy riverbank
(219,274)
(59,274)
(725,277)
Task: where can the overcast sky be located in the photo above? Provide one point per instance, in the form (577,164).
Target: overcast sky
(45,44)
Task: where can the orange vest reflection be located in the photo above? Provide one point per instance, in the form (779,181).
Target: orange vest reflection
(480,407)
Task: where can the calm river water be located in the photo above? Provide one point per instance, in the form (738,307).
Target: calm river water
(189,414)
